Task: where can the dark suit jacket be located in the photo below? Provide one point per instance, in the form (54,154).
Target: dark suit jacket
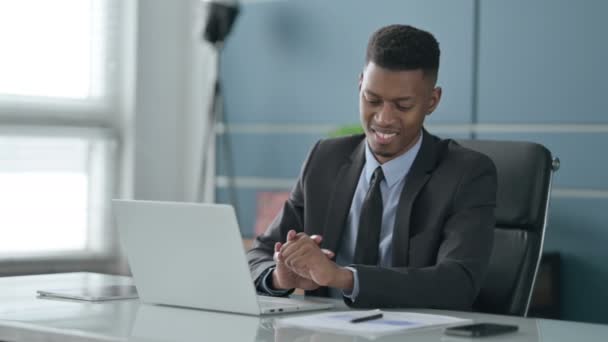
(443,231)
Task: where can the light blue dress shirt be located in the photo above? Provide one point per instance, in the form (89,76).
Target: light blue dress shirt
(395,172)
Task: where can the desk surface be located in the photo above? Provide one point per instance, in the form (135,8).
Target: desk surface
(24,317)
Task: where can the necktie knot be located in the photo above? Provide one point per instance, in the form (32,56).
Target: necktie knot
(377,176)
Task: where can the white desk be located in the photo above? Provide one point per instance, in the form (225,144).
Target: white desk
(24,317)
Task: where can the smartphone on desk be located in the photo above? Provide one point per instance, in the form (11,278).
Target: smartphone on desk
(480,330)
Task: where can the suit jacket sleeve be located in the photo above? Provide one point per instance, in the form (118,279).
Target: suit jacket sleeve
(260,256)
(463,256)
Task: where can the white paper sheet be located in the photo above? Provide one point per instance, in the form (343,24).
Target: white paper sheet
(390,323)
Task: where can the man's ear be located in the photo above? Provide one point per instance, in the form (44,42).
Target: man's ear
(434,100)
(360,80)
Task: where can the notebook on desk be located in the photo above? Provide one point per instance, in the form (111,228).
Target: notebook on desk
(191,255)
(92,293)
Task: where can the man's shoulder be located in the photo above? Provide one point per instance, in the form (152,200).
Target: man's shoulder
(328,156)
(457,155)
(340,146)
(460,151)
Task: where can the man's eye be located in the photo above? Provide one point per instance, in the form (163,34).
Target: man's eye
(403,108)
(374,102)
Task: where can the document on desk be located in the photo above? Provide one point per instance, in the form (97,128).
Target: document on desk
(390,323)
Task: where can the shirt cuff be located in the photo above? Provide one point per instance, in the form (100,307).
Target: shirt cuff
(266,284)
(352,294)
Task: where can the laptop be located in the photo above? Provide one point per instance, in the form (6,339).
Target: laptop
(192,255)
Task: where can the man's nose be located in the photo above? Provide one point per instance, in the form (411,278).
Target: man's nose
(386,115)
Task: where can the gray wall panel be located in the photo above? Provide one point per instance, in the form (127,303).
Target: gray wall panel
(299,61)
(543,61)
(266,155)
(578,230)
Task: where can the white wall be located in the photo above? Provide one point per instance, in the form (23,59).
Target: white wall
(174,73)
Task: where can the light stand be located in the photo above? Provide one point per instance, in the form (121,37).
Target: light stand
(220,19)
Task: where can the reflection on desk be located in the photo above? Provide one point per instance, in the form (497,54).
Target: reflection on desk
(23,317)
(164,323)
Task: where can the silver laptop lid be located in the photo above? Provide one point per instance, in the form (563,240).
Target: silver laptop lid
(186,254)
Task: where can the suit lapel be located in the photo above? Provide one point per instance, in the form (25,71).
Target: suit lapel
(419,174)
(341,198)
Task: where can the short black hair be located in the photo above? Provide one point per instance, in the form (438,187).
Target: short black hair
(404,47)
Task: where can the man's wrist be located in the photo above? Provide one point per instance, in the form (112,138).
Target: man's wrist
(344,279)
(275,284)
(268,286)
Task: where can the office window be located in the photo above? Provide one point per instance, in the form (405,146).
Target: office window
(53,49)
(61,95)
(52,188)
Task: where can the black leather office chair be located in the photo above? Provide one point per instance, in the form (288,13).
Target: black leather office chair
(524,184)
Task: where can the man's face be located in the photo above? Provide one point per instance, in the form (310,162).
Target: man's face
(393,105)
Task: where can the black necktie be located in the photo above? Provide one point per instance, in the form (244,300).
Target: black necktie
(370,223)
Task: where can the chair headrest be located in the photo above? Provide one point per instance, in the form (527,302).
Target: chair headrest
(524,177)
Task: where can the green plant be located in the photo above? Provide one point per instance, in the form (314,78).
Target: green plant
(346,130)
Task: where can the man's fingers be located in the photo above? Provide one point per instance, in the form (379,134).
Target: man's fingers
(328,253)
(295,254)
(317,239)
(277,252)
(300,265)
(277,257)
(291,240)
(294,245)
(289,250)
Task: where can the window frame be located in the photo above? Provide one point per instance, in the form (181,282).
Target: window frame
(101,237)
(104,119)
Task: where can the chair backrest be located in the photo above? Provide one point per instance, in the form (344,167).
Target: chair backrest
(524,185)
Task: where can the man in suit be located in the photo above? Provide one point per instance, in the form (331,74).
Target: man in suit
(393,218)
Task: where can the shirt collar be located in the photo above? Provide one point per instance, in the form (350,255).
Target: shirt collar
(395,169)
